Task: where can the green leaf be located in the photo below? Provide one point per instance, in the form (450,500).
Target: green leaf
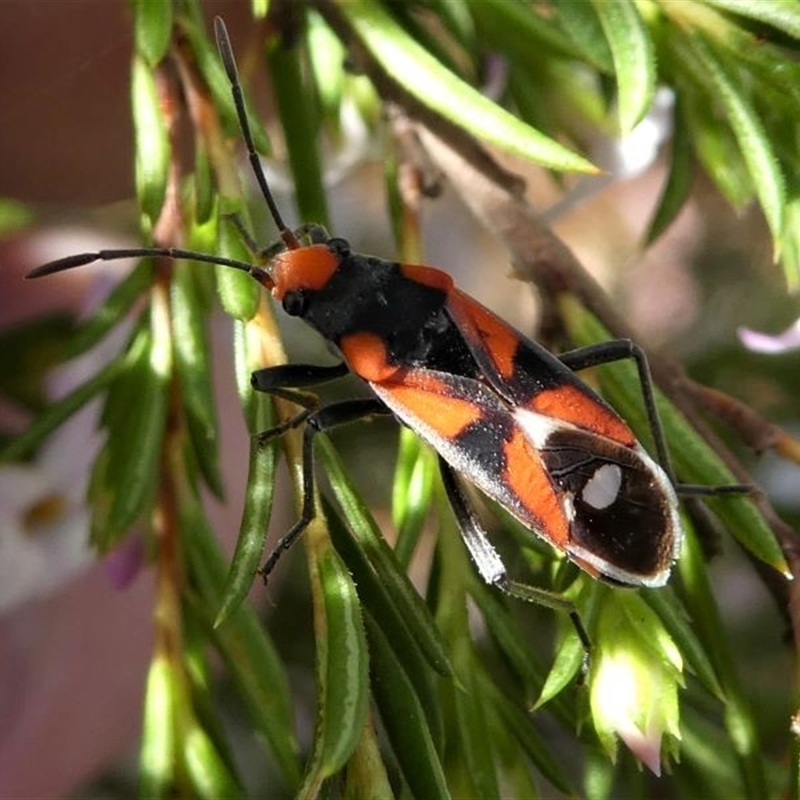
(113,310)
(418,73)
(299,115)
(152,152)
(679,180)
(158,757)
(753,141)
(400,632)
(58,413)
(634,60)
(678,624)
(249,653)
(28,349)
(343,677)
(326,55)
(519,724)
(412,493)
(152,28)
(204,188)
(404,718)
(783,15)
(208,773)
(238,292)
(125,473)
(366,772)
(256,515)
(402,594)
(790,246)
(192,351)
(472,729)
(587,39)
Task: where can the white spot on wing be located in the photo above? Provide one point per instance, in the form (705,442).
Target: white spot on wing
(602,489)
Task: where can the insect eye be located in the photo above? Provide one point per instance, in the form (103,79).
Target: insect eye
(339,247)
(295,303)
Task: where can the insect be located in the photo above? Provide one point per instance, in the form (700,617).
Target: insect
(499,409)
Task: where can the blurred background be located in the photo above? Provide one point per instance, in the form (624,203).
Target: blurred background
(73,649)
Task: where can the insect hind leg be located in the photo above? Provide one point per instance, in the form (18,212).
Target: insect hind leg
(488,562)
(616,350)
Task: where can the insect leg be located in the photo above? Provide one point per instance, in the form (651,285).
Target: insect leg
(276,380)
(285,375)
(319,422)
(616,350)
(488,561)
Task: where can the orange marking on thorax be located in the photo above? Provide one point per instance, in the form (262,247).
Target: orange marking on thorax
(569,403)
(528,479)
(427,276)
(309,267)
(366,355)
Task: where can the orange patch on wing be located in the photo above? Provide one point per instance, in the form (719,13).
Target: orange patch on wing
(308,267)
(570,404)
(528,480)
(498,339)
(427,400)
(366,355)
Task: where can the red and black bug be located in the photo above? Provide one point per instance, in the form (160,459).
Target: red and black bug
(500,410)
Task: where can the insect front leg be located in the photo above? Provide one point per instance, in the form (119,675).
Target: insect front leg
(277,380)
(318,421)
(488,561)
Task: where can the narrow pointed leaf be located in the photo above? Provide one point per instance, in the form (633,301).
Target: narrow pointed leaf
(192,353)
(344,687)
(430,83)
(124,477)
(209,775)
(520,725)
(754,144)
(152,28)
(157,759)
(249,653)
(404,719)
(113,310)
(679,179)
(403,595)
(398,629)
(152,143)
(58,413)
(634,60)
(255,518)
(783,15)
(299,116)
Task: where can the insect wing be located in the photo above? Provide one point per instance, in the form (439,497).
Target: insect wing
(607,505)
(529,376)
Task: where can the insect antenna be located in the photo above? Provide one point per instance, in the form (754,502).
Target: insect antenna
(80,259)
(229,62)
(287,236)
